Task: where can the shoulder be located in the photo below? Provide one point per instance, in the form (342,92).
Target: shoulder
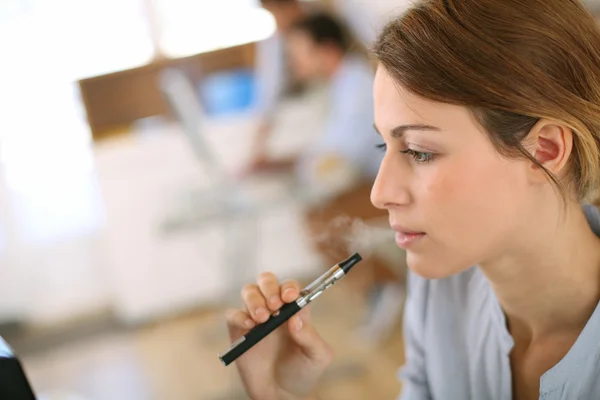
(356,71)
(593,216)
(273,46)
(353,87)
(362,70)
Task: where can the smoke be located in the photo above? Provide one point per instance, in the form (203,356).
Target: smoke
(344,235)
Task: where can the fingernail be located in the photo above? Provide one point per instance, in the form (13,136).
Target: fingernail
(288,291)
(298,324)
(261,312)
(274,300)
(249,323)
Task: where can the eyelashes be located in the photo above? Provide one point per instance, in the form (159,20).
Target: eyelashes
(419,157)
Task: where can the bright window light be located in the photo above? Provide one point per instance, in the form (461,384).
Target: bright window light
(192,27)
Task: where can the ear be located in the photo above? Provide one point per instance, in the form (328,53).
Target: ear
(551,145)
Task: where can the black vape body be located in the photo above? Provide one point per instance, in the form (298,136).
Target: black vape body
(13,381)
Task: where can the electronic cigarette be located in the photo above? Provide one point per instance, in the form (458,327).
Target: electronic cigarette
(13,381)
(307,295)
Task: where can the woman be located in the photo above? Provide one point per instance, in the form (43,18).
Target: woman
(490,114)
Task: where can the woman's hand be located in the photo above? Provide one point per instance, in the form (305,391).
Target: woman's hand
(288,363)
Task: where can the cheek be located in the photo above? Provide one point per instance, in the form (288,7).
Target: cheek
(473,200)
(299,65)
(466,211)
(464,181)
(306,62)
(446,183)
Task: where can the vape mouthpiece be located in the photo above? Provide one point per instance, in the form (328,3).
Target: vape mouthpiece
(350,262)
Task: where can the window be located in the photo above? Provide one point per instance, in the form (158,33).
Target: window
(190,26)
(46,46)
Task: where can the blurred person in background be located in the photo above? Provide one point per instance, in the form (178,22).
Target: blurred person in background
(489,112)
(339,168)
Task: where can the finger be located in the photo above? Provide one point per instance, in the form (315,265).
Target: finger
(290,290)
(269,287)
(310,341)
(238,321)
(255,303)
(304,314)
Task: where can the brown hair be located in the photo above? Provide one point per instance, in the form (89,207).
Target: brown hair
(323,28)
(512,63)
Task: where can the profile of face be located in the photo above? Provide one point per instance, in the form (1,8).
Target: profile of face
(452,199)
(305,56)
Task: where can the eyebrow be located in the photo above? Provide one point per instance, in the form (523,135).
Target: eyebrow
(399,131)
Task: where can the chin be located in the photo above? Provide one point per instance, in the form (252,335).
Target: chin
(302,76)
(430,267)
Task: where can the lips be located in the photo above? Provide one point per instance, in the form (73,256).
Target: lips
(405,238)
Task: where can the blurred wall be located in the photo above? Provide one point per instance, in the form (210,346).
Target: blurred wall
(367,17)
(593,5)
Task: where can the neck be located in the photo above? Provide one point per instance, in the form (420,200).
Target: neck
(332,65)
(550,283)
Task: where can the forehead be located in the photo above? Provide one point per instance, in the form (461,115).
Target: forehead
(395,105)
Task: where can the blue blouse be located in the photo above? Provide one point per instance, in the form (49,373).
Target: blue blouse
(458,346)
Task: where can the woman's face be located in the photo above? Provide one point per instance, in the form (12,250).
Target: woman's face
(453,201)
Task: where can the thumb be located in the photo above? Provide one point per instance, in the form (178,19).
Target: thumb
(305,335)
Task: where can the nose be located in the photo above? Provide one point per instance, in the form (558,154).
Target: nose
(391,185)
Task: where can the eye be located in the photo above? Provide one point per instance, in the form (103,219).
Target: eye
(381,146)
(419,156)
